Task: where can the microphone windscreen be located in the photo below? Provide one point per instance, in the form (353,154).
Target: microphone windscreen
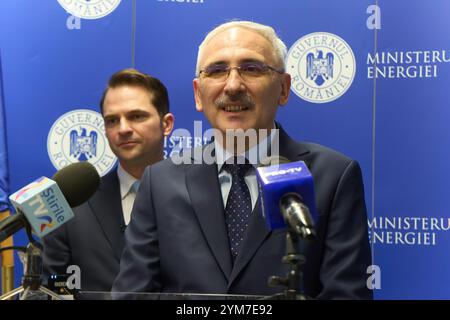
(78,182)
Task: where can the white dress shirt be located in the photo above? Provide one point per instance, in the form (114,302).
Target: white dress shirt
(128,189)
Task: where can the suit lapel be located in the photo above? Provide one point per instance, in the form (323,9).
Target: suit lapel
(204,190)
(106,205)
(289,148)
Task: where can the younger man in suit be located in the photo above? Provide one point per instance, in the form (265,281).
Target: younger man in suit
(135,108)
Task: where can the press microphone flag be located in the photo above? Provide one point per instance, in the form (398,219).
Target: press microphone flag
(43,205)
(287,194)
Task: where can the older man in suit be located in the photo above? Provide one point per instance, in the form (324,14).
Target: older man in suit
(201,231)
(135,108)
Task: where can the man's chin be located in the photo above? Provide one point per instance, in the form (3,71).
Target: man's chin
(128,155)
(236,125)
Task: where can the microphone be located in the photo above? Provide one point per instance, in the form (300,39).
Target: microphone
(287,196)
(78,182)
(45,204)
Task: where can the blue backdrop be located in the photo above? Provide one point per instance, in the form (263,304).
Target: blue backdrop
(391,118)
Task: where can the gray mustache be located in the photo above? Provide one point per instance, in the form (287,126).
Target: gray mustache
(243,100)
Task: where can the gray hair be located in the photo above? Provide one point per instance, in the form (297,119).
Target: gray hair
(267,32)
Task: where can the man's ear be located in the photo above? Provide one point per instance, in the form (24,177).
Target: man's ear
(285,89)
(198,101)
(167,123)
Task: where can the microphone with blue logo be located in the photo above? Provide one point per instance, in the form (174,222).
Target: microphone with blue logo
(287,196)
(45,204)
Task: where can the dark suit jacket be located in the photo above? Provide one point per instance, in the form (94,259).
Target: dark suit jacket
(177,240)
(93,239)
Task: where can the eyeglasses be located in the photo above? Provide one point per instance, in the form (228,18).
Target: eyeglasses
(248,71)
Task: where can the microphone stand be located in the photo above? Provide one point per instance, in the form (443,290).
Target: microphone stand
(32,278)
(293,282)
(294,277)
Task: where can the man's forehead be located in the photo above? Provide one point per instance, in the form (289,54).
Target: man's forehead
(128,91)
(237,34)
(127,99)
(238,39)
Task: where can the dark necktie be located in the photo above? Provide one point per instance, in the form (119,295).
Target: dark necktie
(239,206)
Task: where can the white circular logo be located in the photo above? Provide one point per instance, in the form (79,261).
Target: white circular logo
(322,67)
(79,135)
(89,9)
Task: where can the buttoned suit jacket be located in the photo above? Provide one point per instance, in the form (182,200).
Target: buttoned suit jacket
(177,240)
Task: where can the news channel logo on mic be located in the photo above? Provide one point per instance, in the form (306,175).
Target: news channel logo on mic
(43,204)
(277,181)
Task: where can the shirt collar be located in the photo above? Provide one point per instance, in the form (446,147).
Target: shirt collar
(126,181)
(255,155)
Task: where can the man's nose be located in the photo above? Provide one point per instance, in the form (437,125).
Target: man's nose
(234,82)
(124,126)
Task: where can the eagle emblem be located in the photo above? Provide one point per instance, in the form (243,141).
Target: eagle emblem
(318,68)
(82,146)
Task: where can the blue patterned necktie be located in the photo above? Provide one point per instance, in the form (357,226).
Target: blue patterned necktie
(239,206)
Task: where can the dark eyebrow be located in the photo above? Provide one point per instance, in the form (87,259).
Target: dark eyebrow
(136,111)
(129,113)
(109,116)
